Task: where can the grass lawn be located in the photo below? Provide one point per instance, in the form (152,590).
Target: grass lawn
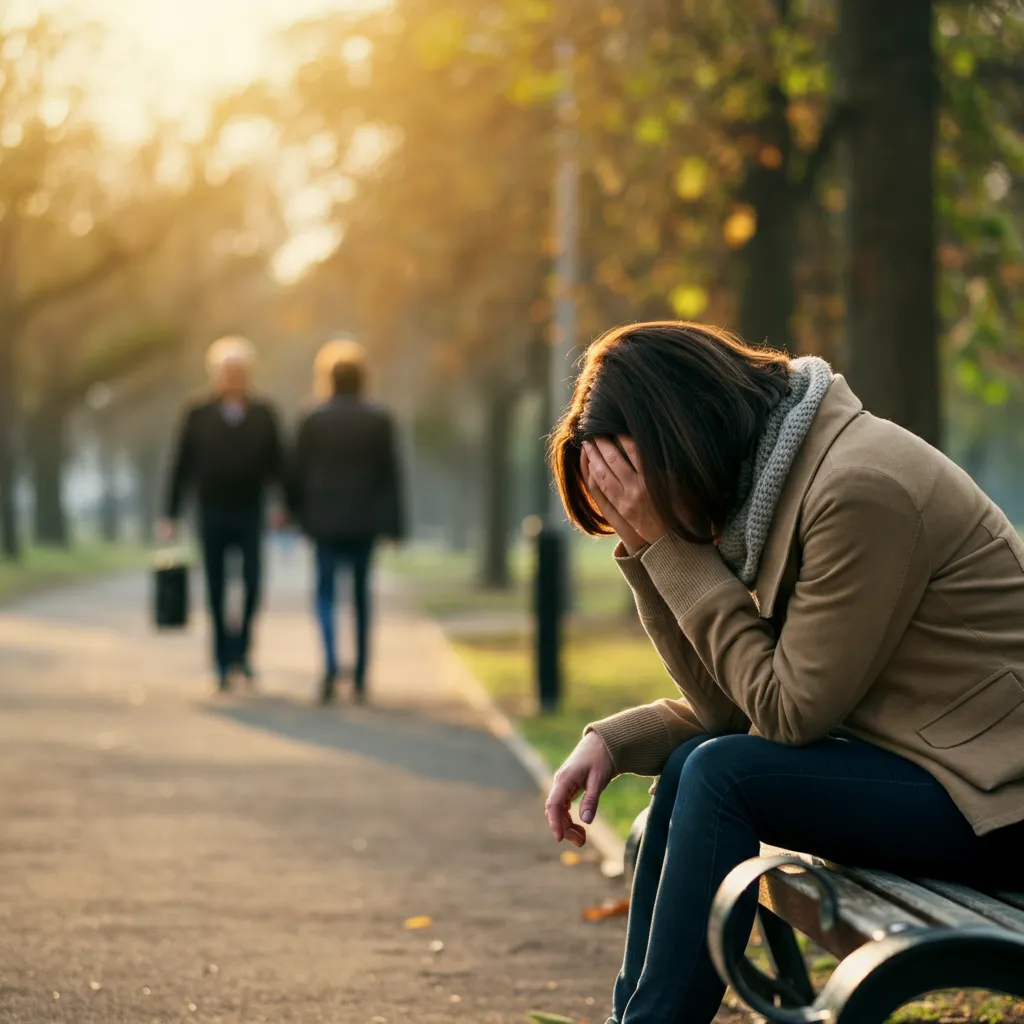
(445,582)
(44,567)
(609,666)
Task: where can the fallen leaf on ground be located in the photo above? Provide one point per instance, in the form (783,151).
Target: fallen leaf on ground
(437,946)
(95,986)
(613,908)
(548,1018)
(414,923)
(570,858)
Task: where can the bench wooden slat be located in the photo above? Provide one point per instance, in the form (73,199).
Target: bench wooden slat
(988,906)
(862,914)
(1015,899)
(931,906)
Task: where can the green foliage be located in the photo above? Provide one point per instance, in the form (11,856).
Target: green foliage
(444,250)
(679,110)
(48,567)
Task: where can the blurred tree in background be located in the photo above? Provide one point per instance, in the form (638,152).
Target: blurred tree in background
(836,176)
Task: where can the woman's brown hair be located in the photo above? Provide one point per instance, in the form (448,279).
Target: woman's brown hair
(693,398)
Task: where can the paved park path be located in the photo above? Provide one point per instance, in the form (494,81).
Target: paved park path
(166,855)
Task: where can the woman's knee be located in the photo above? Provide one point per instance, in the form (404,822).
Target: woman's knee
(668,780)
(718,764)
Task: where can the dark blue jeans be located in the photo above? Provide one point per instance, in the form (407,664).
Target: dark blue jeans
(331,555)
(717,799)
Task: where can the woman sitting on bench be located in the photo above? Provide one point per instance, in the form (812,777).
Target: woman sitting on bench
(842,609)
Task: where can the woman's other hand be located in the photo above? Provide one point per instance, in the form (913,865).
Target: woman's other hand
(588,770)
(614,475)
(631,540)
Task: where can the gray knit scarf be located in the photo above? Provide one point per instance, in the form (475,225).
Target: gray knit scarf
(743,537)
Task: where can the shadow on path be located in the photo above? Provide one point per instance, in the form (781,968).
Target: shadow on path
(428,749)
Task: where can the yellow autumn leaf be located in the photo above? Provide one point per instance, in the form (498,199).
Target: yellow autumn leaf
(692,178)
(650,130)
(439,39)
(688,301)
(706,76)
(413,924)
(613,908)
(570,858)
(608,175)
(740,226)
(963,63)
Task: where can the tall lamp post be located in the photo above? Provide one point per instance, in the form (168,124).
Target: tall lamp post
(552,584)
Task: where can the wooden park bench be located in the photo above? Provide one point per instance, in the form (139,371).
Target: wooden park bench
(895,938)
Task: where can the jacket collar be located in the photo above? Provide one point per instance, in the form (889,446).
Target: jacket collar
(839,406)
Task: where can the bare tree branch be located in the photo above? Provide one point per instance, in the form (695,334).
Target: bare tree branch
(122,355)
(115,259)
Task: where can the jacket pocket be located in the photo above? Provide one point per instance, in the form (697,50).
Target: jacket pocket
(981,734)
(975,712)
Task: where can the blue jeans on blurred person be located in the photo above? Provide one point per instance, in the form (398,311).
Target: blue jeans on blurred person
(332,555)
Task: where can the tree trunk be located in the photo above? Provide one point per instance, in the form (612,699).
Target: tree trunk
(47,450)
(497,490)
(541,488)
(768,294)
(889,83)
(146,460)
(109,504)
(9,539)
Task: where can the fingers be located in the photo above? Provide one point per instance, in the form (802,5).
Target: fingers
(576,834)
(629,447)
(563,791)
(588,805)
(598,496)
(556,819)
(616,462)
(588,473)
(601,476)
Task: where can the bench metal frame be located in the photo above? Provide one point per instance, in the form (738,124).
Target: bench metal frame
(871,982)
(912,939)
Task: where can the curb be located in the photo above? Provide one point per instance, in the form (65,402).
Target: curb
(600,835)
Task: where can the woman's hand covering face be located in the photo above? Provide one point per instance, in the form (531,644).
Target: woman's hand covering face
(617,487)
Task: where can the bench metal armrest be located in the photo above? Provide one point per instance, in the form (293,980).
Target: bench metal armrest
(757,989)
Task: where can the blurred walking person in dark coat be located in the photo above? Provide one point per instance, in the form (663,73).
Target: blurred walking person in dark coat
(346,494)
(229,452)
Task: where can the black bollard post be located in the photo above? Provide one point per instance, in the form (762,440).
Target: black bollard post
(549,607)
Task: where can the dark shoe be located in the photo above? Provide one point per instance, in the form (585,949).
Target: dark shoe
(359,695)
(245,670)
(327,686)
(223,682)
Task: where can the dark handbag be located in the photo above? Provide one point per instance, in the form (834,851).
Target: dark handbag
(170,592)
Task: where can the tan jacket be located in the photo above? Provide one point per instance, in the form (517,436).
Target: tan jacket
(889,600)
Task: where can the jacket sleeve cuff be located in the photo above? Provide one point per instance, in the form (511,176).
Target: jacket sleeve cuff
(648,601)
(637,740)
(684,573)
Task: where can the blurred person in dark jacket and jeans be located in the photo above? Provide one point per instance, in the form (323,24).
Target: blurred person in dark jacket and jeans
(229,452)
(345,493)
